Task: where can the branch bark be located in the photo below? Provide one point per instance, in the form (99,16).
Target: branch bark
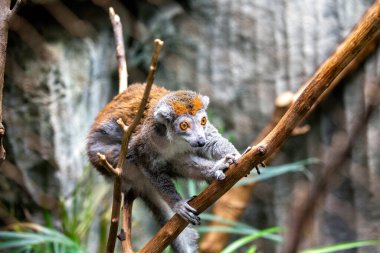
(126,222)
(362,36)
(6,15)
(120,51)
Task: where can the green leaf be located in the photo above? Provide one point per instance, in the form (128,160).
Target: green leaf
(251,250)
(342,246)
(247,239)
(275,171)
(236,227)
(224,229)
(41,241)
(19,243)
(211,217)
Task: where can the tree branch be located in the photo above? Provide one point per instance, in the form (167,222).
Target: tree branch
(126,211)
(120,51)
(5,15)
(107,165)
(158,44)
(127,133)
(362,36)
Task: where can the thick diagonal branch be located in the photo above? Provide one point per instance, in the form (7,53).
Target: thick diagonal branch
(362,36)
(215,241)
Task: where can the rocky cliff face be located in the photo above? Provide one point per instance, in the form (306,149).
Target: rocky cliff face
(51,100)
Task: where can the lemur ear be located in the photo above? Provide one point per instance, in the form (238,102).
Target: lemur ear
(162,113)
(205,101)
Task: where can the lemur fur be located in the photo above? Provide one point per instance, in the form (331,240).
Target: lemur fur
(174,139)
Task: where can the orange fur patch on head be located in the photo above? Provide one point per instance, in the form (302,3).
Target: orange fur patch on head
(179,108)
(187,106)
(197,105)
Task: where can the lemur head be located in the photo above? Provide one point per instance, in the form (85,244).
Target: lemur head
(183,113)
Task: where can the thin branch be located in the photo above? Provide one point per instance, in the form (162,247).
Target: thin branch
(127,133)
(362,36)
(122,125)
(126,211)
(5,15)
(115,213)
(158,44)
(120,51)
(107,165)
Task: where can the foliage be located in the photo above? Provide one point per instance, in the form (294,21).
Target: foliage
(78,213)
(249,238)
(234,227)
(275,171)
(35,238)
(342,246)
(249,234)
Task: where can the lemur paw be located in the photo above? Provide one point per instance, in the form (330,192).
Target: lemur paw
(232,158)
(187,212)
(222,165)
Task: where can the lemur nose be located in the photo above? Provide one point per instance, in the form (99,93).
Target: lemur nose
(201,143)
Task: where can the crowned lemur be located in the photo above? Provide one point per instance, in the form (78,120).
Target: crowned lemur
(174,139)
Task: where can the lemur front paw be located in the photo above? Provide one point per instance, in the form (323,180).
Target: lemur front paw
(187,212)
(222,165)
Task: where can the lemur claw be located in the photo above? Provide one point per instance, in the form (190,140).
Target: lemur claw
(121,236)
(257,167)
(257,170)
(246,150)
(232,158)
(183,209)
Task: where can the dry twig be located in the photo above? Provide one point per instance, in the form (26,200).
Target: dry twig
(6,14)
(120,51)
(127,133)
(362,36)
(126,222)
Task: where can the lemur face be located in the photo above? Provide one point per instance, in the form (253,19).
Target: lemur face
(191,128)
(184,115)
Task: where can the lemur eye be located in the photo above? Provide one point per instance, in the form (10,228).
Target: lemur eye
(203,121)
(183,125)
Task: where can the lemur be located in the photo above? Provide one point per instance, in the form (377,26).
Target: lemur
(174,139)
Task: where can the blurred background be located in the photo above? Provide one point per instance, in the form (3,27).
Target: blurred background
(61,70)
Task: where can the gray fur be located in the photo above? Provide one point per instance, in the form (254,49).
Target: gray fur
(160,152)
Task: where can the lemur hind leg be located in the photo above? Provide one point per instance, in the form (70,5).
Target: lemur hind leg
(186,242)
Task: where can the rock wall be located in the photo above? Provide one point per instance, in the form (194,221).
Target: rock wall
(50,101)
